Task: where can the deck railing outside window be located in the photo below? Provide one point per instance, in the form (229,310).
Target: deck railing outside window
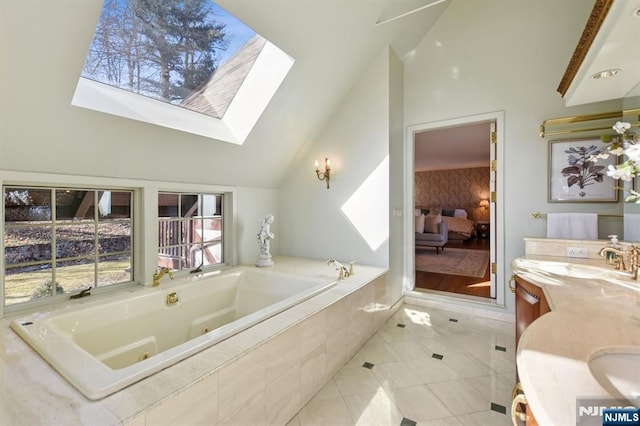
(189,230)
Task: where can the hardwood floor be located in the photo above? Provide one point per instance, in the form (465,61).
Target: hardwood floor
(456,283)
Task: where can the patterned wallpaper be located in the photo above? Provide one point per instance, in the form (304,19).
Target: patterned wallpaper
(459,188)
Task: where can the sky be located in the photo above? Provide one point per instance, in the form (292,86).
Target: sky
(238,32)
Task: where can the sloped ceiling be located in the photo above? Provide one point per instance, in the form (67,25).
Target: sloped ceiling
(332,42)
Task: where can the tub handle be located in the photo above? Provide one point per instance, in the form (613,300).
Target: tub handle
(172,298)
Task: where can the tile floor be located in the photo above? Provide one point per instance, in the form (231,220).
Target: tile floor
(423,367)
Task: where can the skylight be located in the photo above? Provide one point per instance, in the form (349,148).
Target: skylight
(184,64)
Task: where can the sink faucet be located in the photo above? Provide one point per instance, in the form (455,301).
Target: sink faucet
(633,253)
(343,271)
(160,274)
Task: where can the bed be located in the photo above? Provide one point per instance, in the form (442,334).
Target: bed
(460,225)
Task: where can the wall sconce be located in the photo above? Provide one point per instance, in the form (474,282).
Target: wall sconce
(484,204)
(324,175)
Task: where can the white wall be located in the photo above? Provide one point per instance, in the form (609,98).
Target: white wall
(399,247)
(356,139)
(503,55)
(253,205)
(41,132)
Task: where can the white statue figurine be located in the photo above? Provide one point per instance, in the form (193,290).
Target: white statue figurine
(264,235)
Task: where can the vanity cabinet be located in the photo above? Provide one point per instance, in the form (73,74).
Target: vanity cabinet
(530,305)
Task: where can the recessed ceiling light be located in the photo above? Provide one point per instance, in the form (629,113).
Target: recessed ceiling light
(605,74)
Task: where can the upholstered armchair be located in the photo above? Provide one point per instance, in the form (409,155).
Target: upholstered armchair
(435,234)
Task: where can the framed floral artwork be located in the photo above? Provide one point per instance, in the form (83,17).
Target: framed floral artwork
(575,177)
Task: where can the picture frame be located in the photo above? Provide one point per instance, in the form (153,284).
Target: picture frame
(634,185)
(575,178)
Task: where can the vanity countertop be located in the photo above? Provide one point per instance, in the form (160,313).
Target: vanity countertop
(587,314)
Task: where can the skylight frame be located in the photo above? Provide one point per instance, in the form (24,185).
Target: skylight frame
(251,99)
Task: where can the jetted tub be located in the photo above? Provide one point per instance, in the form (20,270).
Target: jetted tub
(106,345)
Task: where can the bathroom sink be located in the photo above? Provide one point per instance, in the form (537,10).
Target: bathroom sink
(617,370)
(577,271)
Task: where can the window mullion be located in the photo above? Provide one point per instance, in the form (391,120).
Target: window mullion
(96,238)
(54,251)
(201,214)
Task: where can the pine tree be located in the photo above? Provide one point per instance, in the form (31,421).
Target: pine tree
(161,48)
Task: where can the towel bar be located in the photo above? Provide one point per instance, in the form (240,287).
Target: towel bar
(538,215)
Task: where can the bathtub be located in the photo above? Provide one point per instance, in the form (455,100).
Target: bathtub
(108,344)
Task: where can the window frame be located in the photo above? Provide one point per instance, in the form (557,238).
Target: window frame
(258,87)
(181,220)
(145,226)
(54,223)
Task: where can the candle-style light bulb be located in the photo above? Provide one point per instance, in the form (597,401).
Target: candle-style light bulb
(327,163)
(317,166)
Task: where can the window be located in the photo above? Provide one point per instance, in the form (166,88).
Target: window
(168,50)
(61,240)
(187,65)
(189,230)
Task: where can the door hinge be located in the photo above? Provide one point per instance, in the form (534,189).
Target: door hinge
(493,196)
(494,268)
(494,165)
(494,137)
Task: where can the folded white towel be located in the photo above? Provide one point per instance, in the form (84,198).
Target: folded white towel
(575,226)
(632,226)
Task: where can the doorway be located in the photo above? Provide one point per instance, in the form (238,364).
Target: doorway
(452,177)
(452,168)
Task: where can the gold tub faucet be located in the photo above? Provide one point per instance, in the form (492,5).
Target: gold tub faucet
(158,275)
(343,271)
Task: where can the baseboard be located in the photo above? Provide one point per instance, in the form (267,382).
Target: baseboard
(459,305)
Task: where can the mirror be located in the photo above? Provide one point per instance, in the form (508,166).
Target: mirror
(631,221)
(607,42)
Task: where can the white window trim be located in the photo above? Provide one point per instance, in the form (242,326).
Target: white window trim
(145,220)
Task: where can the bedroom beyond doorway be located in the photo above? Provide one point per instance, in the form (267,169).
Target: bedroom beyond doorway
(462,268)
(454,182)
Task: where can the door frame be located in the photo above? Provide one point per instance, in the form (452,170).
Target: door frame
(496,209)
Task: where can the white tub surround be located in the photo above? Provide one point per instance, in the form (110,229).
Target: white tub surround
(591,309)
(104,346)
(262,375)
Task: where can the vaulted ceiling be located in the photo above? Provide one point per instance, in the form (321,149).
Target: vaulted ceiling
(332,41)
